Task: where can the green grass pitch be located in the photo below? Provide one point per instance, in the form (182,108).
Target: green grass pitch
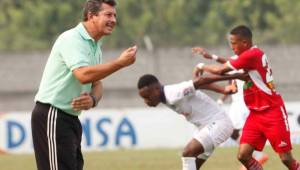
(158,159)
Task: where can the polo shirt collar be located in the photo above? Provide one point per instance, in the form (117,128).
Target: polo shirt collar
(83,32)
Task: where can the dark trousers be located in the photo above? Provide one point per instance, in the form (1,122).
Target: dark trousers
(56,139)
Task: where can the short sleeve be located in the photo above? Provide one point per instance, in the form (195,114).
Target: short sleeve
(176,92)
(246,61)
(74,54)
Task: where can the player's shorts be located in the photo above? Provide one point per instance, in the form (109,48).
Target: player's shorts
(238,113)
(259,128)
(213,134)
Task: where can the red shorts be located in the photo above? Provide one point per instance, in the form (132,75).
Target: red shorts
(271,125)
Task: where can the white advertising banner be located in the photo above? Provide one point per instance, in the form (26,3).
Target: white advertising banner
(120,128)
(106,129)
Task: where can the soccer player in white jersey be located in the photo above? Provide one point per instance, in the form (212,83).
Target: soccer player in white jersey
(238,111)
(213,124)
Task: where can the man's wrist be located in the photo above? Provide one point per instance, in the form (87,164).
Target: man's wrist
(200,66)
(94,99)
(214,57)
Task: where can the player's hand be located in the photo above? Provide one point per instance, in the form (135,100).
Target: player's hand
(82,102)
(201,51)
(231,89)
(128,56)
(198,70)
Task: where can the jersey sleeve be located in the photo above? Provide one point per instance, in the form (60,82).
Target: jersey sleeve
(246,61)
(176,92)
(73,54)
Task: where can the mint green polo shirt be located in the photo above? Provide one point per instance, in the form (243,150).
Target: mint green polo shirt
(72,49)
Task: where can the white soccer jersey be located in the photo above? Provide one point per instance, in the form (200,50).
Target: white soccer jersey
(238,111)
(238,96)
(195,105)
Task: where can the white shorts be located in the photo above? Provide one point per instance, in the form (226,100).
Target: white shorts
(238,113)
(213,134)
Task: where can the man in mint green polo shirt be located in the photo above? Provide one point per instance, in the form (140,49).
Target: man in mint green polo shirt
(71,83)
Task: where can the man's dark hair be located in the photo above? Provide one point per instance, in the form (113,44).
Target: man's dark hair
(146,80)
(242,31)
(94,6)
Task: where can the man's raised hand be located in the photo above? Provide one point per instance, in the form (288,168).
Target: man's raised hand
(128,56)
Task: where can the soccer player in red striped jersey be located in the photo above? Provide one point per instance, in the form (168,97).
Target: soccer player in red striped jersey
(238,111)
(268,118)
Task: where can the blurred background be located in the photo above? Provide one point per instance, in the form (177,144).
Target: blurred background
(164,30)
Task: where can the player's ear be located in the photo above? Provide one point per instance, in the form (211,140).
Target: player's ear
(246,42)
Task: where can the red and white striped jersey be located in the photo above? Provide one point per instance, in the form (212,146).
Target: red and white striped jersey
(259,91)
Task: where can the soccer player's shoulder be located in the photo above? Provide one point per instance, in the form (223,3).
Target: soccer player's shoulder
(255,51)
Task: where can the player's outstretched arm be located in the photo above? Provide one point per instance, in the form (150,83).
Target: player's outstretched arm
(219,69)
(207,55)
(226,90)
(207,79)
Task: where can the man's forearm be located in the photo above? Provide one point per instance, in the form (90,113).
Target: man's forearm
(91,74)
(203,80)
(221,60)
(217,58)
(218,69)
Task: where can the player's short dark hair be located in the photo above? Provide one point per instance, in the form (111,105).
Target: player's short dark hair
(146,80)
(242,31)
(94,6)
